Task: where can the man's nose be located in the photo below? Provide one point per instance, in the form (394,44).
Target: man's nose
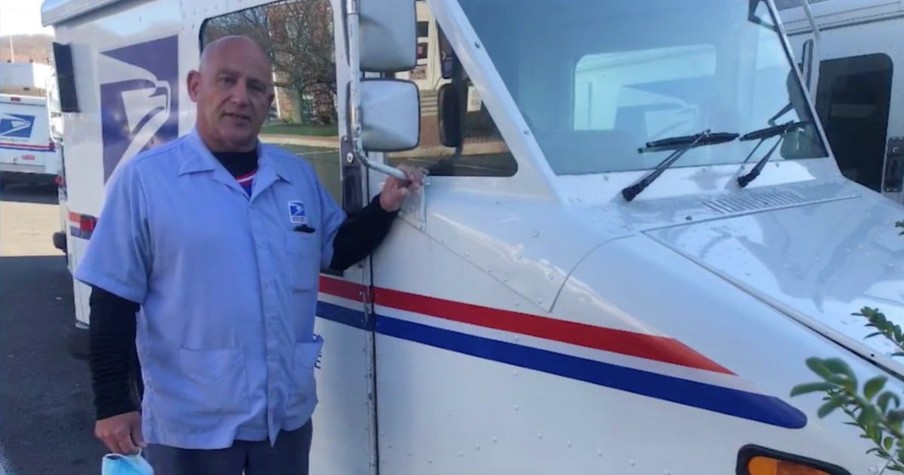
(240,93)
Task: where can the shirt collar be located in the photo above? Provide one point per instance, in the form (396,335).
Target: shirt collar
(202,160)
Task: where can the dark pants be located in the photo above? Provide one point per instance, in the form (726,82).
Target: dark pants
(289,456)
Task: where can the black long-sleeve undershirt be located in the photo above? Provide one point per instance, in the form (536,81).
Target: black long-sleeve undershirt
(361,234)
(114,366)
(115,372)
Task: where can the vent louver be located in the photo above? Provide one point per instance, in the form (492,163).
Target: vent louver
(754,201)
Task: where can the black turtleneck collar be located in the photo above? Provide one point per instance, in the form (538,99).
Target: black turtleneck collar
(238,163)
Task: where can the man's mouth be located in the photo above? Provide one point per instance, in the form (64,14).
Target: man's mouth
(237,117)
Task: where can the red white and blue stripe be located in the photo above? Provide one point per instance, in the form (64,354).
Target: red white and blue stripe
(649,365)
(27,147)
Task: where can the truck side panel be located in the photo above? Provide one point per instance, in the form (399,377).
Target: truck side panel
(123,48)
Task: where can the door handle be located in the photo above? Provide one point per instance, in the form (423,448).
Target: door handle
(894,165)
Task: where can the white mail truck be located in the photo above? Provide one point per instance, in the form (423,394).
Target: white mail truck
(29,150)
(634,236)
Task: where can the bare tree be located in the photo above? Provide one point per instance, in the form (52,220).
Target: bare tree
(298,37)
(301,34)
(251,22)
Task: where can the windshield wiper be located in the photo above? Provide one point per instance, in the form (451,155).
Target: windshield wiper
(763,135)
(681,145)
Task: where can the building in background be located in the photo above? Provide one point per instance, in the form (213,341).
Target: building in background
(31,79)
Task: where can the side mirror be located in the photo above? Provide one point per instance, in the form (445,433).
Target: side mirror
(388,35)
(451,116)
(390,115)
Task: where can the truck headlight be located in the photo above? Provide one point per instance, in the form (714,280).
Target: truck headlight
(755,460)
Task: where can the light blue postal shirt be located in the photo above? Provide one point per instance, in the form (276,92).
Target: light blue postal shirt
(228,289)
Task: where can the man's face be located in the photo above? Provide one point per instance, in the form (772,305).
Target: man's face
(233,92)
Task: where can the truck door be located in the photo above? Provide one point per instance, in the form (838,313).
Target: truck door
(425,290)
(853,100)
(299,37)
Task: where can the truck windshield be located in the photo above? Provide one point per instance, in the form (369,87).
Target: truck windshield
(597,80)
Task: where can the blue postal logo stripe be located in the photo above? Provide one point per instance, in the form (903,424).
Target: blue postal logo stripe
(16,125)
(296,213)
(154,101)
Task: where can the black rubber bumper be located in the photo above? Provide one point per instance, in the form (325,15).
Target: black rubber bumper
(59,241)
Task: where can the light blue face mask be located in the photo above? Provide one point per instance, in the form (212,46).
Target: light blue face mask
(116,464)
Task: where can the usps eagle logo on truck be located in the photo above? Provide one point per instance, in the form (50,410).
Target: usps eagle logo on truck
(139,98)
(16,126)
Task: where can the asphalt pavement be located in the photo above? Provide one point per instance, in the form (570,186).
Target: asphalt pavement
(46,420)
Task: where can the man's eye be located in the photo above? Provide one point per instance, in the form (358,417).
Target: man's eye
(227,80)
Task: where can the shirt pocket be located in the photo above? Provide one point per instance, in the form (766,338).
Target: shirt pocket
(303,264)
(304,389)
(203,386)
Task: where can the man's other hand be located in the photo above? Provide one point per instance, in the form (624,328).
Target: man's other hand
(121,433)
(395,191)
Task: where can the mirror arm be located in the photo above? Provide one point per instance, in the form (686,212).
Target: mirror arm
(814,60)
(354,58)
(811,19)
(460,84)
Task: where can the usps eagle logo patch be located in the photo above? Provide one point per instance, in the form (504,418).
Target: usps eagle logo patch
(296,213)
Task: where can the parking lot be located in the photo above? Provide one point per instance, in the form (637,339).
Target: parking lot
(46,420)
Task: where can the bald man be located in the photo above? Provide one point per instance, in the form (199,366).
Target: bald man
(207,255)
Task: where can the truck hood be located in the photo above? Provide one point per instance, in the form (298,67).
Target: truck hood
(818,263)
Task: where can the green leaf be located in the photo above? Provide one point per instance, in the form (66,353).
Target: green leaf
(811,388)
(886,398)
(895,425)
(873,386)
(872,431)
(829,407)
(895,416)
(818,366)
(888,443)
(838,366)
(869,417)
(844,382)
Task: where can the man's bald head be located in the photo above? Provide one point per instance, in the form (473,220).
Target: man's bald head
(233,89)
(232,44)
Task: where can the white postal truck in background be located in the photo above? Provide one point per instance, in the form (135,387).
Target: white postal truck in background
(29,148)
(858,92)
(634,235)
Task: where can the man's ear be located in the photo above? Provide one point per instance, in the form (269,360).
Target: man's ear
(193,82)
